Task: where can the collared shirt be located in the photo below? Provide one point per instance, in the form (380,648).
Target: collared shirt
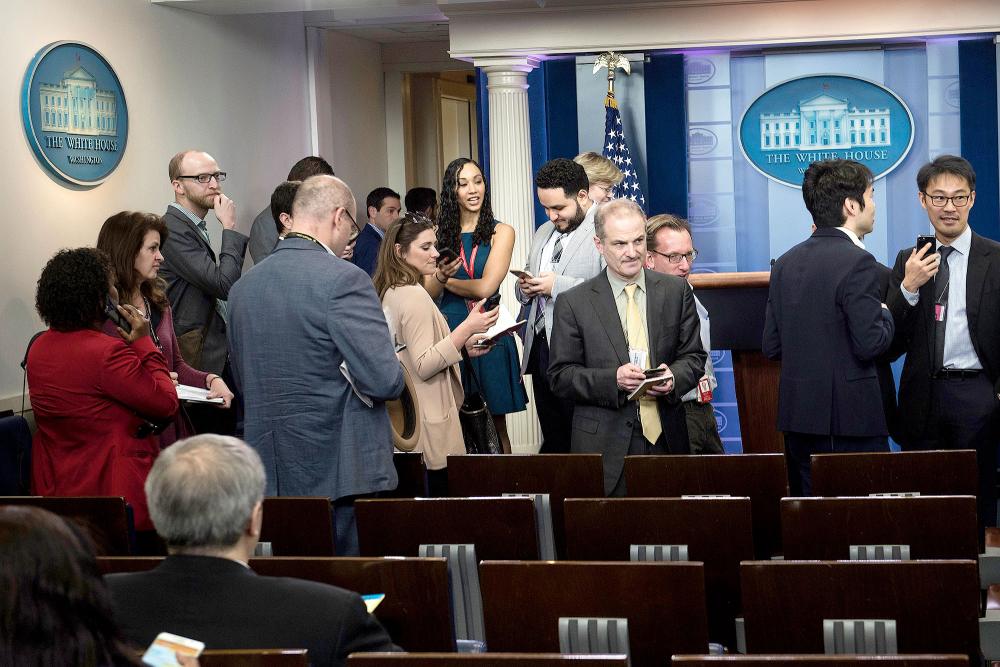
(378,230)
(621,301)
(958,349)
(545,261)
(706,342)
(195,220)
(854,237)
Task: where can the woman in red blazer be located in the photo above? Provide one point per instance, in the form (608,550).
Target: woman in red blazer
(132,242)
(93,394)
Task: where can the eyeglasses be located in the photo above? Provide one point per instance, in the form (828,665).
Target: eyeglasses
(676,257)
(219,176)
(939,201)
(356,232)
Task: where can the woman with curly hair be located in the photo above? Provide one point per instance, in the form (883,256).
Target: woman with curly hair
(133,242)
(54,608)
(95,397)
(484,247)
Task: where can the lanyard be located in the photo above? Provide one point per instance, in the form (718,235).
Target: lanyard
(470,265)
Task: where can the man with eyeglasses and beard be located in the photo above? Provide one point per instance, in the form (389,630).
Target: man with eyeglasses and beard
(670,249)
(315,403)
(943,296)
(198,280)
(562,255)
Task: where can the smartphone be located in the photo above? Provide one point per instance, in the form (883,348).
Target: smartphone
(446,255)
(925,240)
(654,372)
(162,652)
(491,303)
(112,314)
(521,274)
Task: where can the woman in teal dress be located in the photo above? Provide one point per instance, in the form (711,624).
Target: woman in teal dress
(484,247)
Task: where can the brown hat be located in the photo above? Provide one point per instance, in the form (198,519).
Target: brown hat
(403,415)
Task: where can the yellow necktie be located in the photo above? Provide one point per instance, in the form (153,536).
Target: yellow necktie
(649,415)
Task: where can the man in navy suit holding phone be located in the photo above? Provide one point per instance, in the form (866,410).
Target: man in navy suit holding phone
(827,325)
(944,297)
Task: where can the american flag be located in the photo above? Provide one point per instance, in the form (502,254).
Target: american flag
(616,150)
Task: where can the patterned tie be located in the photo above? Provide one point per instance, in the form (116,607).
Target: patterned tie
(941,297)
(557,250)
(220,305)
(649,416)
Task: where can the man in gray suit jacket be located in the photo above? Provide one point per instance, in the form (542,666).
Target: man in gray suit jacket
(197,281)
(305,325)
(611,329)
(562,256)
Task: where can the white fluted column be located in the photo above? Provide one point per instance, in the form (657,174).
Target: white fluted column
(513,195)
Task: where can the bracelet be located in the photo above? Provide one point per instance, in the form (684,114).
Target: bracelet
(443,282)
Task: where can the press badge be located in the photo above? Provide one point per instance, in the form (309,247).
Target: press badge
(939,312)
(637,357)
(704,390)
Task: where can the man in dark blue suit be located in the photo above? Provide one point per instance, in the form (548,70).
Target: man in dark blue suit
(827,325)
(383,210)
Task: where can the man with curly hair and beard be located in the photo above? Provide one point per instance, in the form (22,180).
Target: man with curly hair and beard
(562,256)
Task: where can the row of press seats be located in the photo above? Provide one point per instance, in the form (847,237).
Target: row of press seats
(674,516)
(934,604)
(712,531)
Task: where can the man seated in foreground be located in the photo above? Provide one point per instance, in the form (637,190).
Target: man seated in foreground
(206,498)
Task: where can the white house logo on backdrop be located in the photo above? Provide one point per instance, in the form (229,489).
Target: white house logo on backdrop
(720,420)
(813,118)
(74,113)
(953,96)
(698,70)
(717,357)
(701,141)
(702,211)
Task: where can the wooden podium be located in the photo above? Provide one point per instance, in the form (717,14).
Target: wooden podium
(736,304)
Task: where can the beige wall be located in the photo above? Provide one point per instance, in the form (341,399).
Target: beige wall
(235,86)
(357,117)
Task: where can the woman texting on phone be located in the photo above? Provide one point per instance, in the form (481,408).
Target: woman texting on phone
(406,256)
(133,242)
(483,247)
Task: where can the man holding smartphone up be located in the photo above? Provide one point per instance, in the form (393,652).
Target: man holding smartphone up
(944,299)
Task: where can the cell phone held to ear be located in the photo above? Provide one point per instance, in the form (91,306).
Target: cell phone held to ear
(111,312)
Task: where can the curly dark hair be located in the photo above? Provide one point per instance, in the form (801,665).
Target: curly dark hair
(121,237)
(449,219)
(54,608)
(73,288)
(565,174)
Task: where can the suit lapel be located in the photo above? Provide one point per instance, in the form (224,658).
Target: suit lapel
(183,219)
(542,237)
(975,278)
(607,313)
(583,235)
(654,313)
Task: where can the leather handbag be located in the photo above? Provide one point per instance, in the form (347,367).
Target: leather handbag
(478,430)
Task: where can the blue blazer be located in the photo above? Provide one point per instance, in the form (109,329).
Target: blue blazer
(826,324)
(366,250)
(294,318)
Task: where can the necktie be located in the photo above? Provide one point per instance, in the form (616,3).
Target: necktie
(557,250)
(220,305)
(649,416)
(941,303)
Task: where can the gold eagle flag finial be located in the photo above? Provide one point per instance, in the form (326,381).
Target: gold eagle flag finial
(613,61)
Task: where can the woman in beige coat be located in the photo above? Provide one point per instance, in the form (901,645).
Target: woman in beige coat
(406,255)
